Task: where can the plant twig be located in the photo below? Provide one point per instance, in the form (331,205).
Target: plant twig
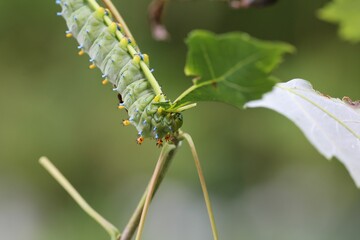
(133,223)
(55,173)
(156,12)
(165,157)
(188,138)
(157,175)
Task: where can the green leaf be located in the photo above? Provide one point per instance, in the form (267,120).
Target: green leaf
(347,14)
(233,68)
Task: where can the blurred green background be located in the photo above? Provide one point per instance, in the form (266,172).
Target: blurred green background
(265,179)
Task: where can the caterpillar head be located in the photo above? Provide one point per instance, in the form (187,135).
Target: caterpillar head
(171,124)
(167,124)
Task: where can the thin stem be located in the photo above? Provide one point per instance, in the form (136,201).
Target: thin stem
(188,138)
(109,228)
(152,186)
(186,107)
(167,155)
(133,223)
(118,17)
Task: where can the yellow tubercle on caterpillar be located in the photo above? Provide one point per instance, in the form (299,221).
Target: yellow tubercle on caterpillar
(136,59)
(92,66)
(126,122)
(140,140)
(146,59)
(112,28)
(160,110)
(100,12)
(124,42)
(157,98)
(69,35)
(121,107)
(104,82)
(81,52)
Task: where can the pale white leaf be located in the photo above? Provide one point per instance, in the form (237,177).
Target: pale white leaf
(330,124)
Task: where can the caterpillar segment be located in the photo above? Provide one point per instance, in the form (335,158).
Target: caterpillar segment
(120,61)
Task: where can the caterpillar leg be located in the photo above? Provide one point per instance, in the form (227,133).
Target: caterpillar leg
(140,140)
(168,138)
(159,143)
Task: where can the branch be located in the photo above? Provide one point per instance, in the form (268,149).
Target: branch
(158,29)
(55,173)
(167,154)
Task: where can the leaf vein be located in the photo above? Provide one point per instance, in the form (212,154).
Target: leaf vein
(342,123)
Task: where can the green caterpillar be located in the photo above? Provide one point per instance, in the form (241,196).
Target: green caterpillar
(109,50)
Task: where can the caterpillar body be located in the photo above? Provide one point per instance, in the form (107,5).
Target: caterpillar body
(121,67)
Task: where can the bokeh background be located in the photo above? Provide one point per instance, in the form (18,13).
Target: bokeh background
(265,179)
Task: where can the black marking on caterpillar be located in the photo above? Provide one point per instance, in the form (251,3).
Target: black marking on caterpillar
(123,71)
(120,98)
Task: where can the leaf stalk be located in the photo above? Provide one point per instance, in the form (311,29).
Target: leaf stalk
(188,138)
(167,154)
